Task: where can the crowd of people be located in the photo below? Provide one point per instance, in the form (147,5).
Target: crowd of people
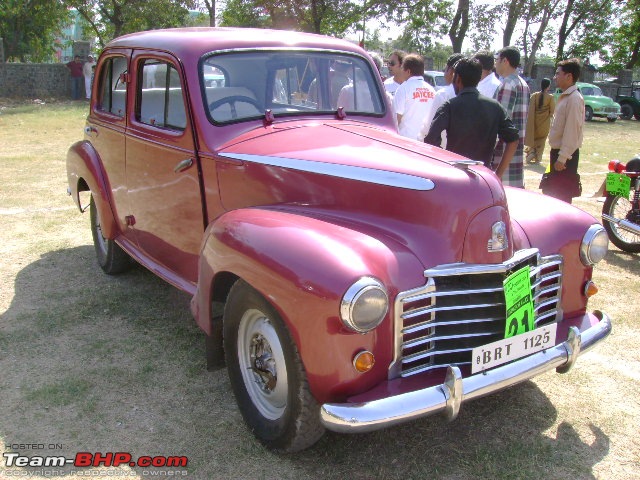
(486,112)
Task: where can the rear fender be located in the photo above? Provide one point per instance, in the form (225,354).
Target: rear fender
(303,266)
(85,172)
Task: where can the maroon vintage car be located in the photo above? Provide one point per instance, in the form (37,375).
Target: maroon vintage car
(353,278)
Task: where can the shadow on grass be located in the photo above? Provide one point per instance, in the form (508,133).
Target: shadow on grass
(93,363)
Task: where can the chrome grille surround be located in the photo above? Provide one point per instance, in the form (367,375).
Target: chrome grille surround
(462,306)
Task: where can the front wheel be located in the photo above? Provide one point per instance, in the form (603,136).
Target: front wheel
(266,373)
(588,113)
(626,111)
(111,258)
(620,208)
(611,119)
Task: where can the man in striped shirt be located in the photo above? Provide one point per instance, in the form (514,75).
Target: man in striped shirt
(513,94)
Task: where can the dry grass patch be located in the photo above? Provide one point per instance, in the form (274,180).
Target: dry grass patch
(97,363)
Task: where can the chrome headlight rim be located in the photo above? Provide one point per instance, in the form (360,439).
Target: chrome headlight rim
(361,287)
(594,246)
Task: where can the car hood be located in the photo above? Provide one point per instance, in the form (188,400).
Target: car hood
(367,178)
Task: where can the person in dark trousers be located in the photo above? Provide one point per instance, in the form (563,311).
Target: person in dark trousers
(472,121)
(77,77)
(565,136)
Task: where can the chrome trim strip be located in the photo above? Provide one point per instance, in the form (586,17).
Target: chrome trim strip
(350,172)
(447,398)
(453,269)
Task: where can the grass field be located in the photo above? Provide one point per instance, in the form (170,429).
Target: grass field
(92,363)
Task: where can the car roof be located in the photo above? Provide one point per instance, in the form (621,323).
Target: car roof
(199,40)
(434,72)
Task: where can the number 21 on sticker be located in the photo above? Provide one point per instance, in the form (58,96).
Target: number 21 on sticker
(518,303)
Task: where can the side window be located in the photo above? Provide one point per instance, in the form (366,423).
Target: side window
(113,92)
(160,100)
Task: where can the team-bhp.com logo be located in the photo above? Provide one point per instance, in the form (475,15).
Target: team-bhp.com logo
(86,460)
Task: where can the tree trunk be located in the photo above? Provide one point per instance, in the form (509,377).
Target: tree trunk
(459,26)
(634,55)
(210,5)
(515,9)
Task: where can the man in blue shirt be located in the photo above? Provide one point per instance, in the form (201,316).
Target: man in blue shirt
(472,121)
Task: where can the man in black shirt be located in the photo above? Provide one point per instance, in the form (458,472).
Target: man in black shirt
(472,121)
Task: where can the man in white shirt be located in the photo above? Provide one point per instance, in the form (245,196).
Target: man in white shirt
(489,83)
(413,98)
(442,95)
(392,83)
(87,73)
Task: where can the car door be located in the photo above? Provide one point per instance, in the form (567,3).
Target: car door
(106,126)
(163,186)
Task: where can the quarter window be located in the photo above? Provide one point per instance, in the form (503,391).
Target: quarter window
(113,91)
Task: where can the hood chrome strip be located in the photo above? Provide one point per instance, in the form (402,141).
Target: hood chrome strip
(363,174)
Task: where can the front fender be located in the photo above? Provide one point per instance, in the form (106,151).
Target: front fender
(85,172)
(303,266)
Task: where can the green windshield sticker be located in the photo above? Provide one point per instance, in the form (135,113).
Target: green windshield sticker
(518,302)
(618,184)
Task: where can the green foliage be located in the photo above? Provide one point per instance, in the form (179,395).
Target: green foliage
(625,42)
(329,17)
(108,19)
(29,28)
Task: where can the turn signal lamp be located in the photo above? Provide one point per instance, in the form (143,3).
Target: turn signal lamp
(364,361)
(590,289)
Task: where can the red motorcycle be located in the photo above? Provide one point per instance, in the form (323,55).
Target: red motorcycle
(621,209)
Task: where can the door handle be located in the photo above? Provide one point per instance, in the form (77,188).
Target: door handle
(88,130)
(183,165)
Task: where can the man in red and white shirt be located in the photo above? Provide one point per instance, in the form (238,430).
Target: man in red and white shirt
(413,98)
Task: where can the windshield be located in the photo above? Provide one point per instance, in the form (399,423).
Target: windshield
(245,85)
(591,90)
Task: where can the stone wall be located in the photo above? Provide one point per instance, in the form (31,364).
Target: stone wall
(39,80)
(34,80)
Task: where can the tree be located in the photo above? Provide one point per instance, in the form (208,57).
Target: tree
(111,18)
(29,28)
(210,6)
(582,20)
(459,25)
(625,41)
(329,17)
(539,12)
(514,10)
(425,21)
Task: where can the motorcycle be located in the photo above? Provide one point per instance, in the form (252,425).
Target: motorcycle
(621,209)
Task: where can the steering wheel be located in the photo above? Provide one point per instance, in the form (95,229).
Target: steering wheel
(232,100)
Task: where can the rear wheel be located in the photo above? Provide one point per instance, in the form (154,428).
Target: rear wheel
(637,116)
(588,113)
(266,373)
(620,208)
(111,258)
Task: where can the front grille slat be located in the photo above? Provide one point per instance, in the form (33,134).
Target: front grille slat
(462,306)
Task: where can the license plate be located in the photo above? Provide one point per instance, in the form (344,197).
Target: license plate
(512,348)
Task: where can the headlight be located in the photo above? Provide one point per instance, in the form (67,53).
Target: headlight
(364,305)
(595,245)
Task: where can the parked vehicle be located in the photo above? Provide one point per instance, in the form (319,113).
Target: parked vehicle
(435,79)
(355,278)
(629,100)
(595,103)
(621,209)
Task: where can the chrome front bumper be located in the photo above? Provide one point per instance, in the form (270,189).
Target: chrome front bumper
(447,397)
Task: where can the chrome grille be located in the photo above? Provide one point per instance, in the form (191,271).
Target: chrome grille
(462,306)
